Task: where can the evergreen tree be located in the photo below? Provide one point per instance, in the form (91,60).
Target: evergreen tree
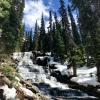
(75,32)
(66,32)
(96,35)
(54,37)
(12,29)
(50,20)
(88,18)
(42,35)
(36,37)
(27,42)
(63,13)
(50,31)
(56,20)
(59,47)
(30,40)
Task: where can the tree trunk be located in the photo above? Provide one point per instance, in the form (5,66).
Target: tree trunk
(98,69)
(74,68)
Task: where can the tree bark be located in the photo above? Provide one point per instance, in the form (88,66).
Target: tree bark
(98,69)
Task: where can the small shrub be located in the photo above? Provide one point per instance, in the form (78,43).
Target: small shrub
(9,71)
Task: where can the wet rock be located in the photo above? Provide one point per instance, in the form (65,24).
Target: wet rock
(42,61)
(33,88)
(1,95)
(42,97)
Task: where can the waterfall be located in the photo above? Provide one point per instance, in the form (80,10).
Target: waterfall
(47,84)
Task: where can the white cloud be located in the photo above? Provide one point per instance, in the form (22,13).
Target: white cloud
(33,11)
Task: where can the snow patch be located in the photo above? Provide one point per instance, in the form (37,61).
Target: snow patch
(86,76)
(55,84)
(9,93)
(61,67)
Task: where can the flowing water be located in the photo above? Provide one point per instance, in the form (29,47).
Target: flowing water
(47,84)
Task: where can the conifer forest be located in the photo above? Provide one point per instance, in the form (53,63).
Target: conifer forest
(49,49)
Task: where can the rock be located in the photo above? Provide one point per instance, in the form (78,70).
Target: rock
(42,61)
(1,94)
(33,88)
(5,80)
(42,97)
(17,79)
(26,93)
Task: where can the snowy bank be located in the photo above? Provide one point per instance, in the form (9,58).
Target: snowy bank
(8,93)
(86,76)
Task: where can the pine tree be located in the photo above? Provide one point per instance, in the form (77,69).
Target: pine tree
(96,35)
(75,32)
(66,32)
(59,47)
(42,35)
(31,40)
(63,13)
(36,37)
(11,25)
(88,18)
(54,37)
(56,20)
(50,20)
(27,48)
(50,31)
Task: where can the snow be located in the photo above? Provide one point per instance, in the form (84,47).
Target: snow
(9,93)
(61,67)
(51,62)
(86,76)
(22,56)
(55,84)
(85,70)
(98,90)
(66,62)
(27,92)
(17,56)
(42,58)
(48,53)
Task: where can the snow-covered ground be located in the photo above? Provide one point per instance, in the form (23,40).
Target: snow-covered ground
(61,68)
(9,93)
(86,76)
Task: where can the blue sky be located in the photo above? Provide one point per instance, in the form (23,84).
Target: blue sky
(34,9)
(54,4)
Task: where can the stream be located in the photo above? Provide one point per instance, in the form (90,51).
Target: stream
(48,85)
